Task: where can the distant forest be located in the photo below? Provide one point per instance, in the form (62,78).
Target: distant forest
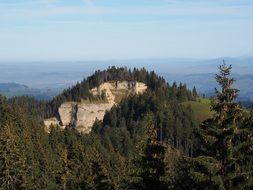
(149,141)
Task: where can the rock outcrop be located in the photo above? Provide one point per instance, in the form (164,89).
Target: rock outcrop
(115,91)
(87,115)
(51,122)
(66,113)
(83,115)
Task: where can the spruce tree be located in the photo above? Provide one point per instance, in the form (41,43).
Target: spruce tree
(13,164)
(194,92)
(150,166)
(64,175)
(221,163)
(100,174)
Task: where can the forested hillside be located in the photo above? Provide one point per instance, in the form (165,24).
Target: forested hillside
(148,141)
(155,83)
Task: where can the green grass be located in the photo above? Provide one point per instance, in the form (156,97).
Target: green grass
(201,109)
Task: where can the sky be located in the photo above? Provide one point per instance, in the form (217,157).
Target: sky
(77,30)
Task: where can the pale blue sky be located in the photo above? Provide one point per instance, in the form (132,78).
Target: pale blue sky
(124,29)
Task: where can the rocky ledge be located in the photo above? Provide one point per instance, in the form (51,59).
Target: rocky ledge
(83,115)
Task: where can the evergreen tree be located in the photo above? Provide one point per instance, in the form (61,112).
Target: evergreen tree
(13,167)
(176,176)
(151,164)
(100,174)
(66,159)
(221,160)
(64,175)
(194,92)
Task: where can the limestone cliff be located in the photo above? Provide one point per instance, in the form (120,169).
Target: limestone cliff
(82,115)
(115,91)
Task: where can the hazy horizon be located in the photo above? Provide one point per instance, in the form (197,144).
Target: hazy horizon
(52,44)
(56,76)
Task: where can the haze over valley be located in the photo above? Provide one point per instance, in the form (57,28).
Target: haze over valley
(44,80)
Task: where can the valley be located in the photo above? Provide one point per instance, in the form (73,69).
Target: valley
(45,81)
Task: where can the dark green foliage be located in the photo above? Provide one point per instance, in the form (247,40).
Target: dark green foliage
(174,122)
(151,163)
(155,83)
(226,156)
(13,164)
(66,159)
(36,108)
(194,92)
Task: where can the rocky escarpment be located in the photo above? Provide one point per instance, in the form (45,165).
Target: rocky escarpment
(82,115)
(87,114)
(115,91)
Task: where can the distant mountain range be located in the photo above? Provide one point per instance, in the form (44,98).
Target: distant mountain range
(201,74)
(8,87)
(15,89)
(206,84)
(46,79)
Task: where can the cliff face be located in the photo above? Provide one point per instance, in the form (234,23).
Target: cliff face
(115,91)
(83,115)
(67,112)
(87,115)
